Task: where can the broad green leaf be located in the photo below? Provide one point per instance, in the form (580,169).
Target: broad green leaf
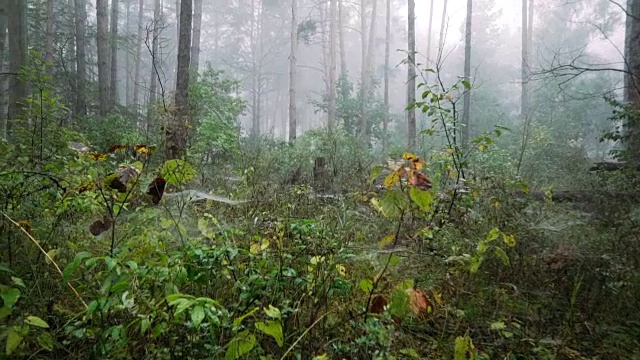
(498,325)
(13,341)
(111,262)
(475,264)
(177,172)
(321,357)
(18,281)
(273,329)
(36,321)
(467,84)
(46,341)
(410,353)
(422,198)
(197,315)
(144,325)
(366,285)
(375,173)
(73,266)
(240,345)
(464,348)
(273,312)
(393,203)
(10,297)
(386,241)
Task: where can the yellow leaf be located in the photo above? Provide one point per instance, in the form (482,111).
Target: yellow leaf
(409,156)
(437,297)
(341,270)
(509,240)
(386,241)
(392,179)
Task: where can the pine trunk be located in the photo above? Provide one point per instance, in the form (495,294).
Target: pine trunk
(113,95)
(466,110)
(197,31)
(411,75)
(332,63)
(293,63)
(81,58)
(18,47)
(103,55)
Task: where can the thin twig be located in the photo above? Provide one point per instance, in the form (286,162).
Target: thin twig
(48,257)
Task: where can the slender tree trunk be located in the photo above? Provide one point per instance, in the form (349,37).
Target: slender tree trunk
(387,53)
(177,134)
(138,59)
(332,63)
(114,53)
(362,126)
(197,30)
(48,52)
(17,26)
(442,32)
(633,79)
(103,55)
(153,81)
(430,34)
(466,110)
(627,46)
(369,69)
(344,72)
(128,86)
(524,99)
(3,68)
(293,63)
(411,75)
(81,58)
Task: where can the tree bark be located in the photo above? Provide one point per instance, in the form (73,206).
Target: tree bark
(332,63)
(153,81)
(81,58)
(18,47)
(103,55)
(387,64)
(369,70)
(411,75)
(343,52)
(48,52)
(524,98)
(466,110)
(113,95)
(3,78)
(293,63)
(430,33)
(128,98)
(362,124)
(138,77)
(442,32)
(633,92)
(177,132)
(197,31)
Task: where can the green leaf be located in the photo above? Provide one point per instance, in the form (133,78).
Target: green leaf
(273,312)
(366,285)
(410,353)
(144,325)
(466,83)
(10,297)
(422,198)
(375,173)
(386,241)
(509,240)
(502,255)
(393,203)
(237,321)
(111,262)
(399,305)
(36,321)
(464,348)
(18,281)
(177,172)
(475,264)
(73,266)
(13,341)
(240,345)
(46,341)
(197,315)
(493,234)
(273,329)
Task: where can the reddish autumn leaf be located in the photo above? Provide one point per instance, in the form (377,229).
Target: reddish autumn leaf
(419,180)
(420,304)
(156,189)
(378,304)
(115,148)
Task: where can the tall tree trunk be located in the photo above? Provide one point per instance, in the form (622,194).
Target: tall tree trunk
(332,63)
(153,81)
(138,59)
(343,52)
(411,75)
(466,110)
(633,79)
(81,58)
(293,63)
(430,34)
(387,54)
(17,26)
(127,54)
(362,125)
(177,133)
(627,47)
(103,55)
(197,30)
(3,78)
(48,52)
(524,98)
(442,32)
(114,53)
(369,70)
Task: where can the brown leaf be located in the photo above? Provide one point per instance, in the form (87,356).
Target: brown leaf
(100,226)
(156,189)
(420,304)
(115,148)
(378,304)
